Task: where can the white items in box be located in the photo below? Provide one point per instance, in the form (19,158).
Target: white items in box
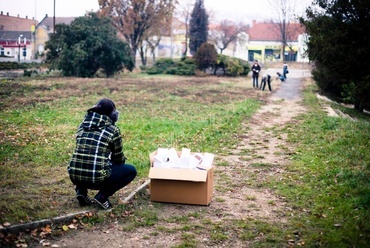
(170,158)
(181,185)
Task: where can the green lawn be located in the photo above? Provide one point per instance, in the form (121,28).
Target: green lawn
(326,186)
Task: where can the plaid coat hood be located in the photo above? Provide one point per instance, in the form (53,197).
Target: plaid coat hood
(98,148)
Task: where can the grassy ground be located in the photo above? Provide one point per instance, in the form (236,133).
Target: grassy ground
(40,117)
(328,181)
(326,184)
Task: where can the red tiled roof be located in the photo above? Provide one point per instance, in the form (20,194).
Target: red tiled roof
(12,23)
(270,31)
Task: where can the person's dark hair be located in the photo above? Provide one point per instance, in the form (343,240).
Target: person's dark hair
(106,107)
(103,107)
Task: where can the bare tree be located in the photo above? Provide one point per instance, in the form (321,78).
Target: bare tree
(284,11)
(183,13)
(152,38)
(226,33)
(133,18)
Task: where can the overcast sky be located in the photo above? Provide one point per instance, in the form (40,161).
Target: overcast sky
(240,10)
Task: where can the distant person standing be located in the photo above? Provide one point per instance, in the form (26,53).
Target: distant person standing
(256,68)
(285,69)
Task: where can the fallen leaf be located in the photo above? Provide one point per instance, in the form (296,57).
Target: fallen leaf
(6,224)
(72,226)
(47,229)
(43,234)
(21,245)
(65,228)
(34,232)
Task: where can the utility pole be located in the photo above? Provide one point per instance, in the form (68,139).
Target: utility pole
(19,47)
(54,19)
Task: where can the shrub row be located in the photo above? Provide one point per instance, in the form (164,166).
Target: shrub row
(186,66)
(7,65)
(225,65)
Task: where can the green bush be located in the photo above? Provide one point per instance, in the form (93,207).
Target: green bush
(29,73)
(231,66)
(153,71)
(234,68)
(143,67)
(12,65)
(224,65)
(164,64)
(186,66)
(206,56)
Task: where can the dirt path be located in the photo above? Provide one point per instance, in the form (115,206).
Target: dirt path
(237,193)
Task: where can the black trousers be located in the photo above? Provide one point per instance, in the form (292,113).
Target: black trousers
(263,85)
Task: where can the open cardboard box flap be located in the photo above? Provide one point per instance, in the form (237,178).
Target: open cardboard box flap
(180,185)
(178,174)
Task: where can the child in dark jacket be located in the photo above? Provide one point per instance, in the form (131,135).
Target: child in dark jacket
(280,76)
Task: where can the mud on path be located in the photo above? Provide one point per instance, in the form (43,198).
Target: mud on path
(238,191)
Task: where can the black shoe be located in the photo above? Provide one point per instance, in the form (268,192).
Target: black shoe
(84,200)
(104,203)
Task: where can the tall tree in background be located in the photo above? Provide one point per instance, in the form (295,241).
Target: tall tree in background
(283,14)
(198,32)
(225,33)
(133,18)
(183,12)
(339,46)
(87,45)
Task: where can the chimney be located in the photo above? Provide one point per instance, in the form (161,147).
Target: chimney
(26,17)
(1,13)
(7,13)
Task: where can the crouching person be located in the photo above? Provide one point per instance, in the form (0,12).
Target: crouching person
(280,76)
(98,161)
(266,78)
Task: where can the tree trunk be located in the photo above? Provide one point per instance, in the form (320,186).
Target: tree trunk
(133,53)
(153,54)
(143,53)
(358,106)
(186,38)
(143,56)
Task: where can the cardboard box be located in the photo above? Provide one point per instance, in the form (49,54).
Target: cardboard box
(176,185)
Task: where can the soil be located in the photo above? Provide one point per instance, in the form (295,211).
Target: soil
(237,195)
